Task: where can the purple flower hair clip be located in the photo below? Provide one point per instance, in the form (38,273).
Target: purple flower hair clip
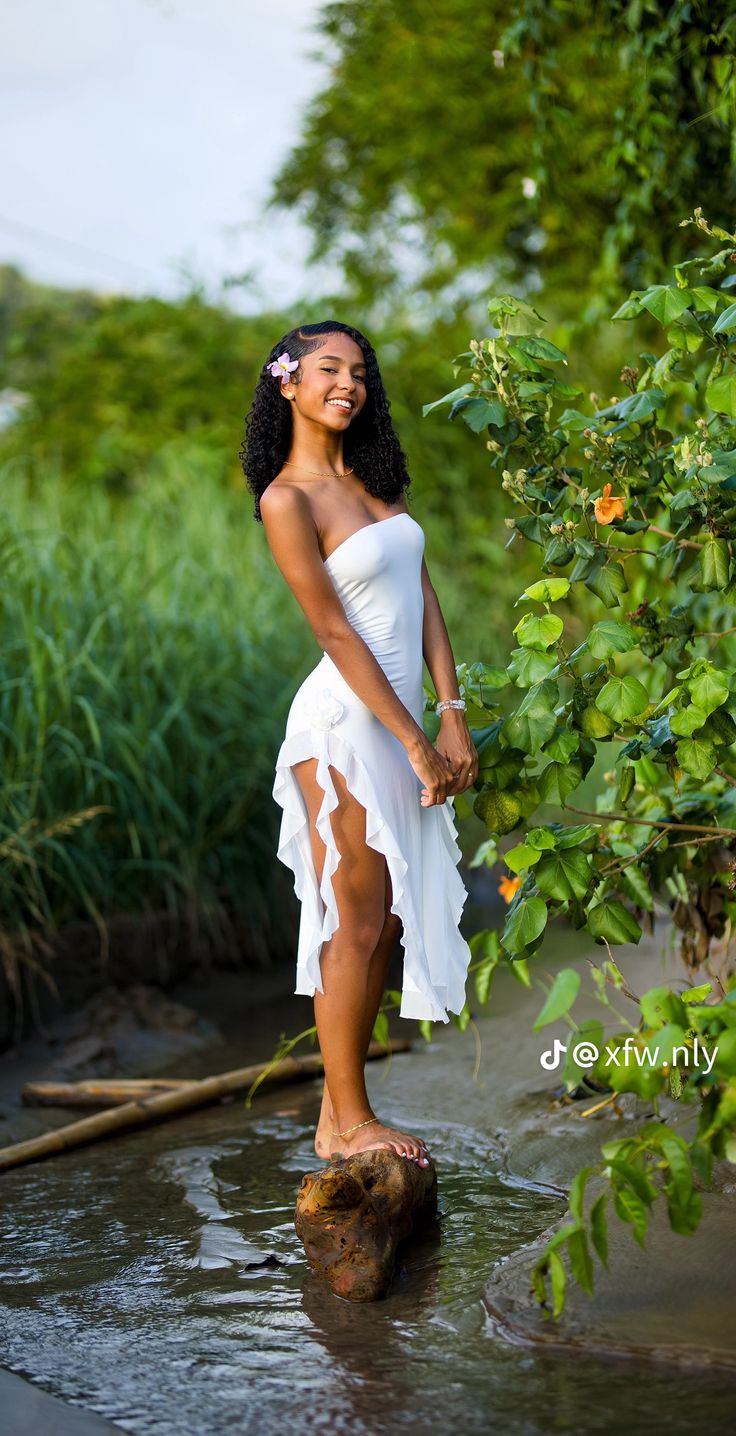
(283,366)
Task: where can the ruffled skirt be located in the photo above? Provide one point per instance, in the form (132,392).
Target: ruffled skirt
(327,721)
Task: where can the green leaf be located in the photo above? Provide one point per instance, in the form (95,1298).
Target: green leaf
(577,1192)
(715,560)
(609,919)
(697,757)
(560,997)
(529,666)
(484,973)
(709,688)
(538,348)
(720,728)
(581,1264)
(638,406)
(599,1227)
(721,394)
(665,302)
(622,698)
(607,637)
(541,838)
(705,299)
(630,308)
(526,921)
(635,1178)
(461,1019)
(636,885)
(558,780)
(660,1005)
(534,720)
(558,1279)
(563,744)
(563,874)
(547,590)
(538,630)
(726,322)
(573,421)
(449,398)
(630,1209)
(687,721)
(576,835)
(522,856)
(606,580)
(478,413)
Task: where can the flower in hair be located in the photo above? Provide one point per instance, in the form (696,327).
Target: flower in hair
(283,366)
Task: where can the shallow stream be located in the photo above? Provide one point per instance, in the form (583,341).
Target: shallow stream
(156,1279)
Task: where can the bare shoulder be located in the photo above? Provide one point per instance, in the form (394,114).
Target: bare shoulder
(287,519)
(292,539)
(282,498)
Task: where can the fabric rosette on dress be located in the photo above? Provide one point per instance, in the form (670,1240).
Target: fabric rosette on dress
(324,710)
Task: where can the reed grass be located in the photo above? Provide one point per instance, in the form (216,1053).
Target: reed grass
(148,654)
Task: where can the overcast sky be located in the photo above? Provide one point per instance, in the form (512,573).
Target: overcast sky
(139,138)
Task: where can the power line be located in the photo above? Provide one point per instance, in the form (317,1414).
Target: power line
(19,227)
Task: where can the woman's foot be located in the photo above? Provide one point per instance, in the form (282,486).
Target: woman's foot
(371,1137)
(325,1126)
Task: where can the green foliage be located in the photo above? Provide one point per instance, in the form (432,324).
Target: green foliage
(121,389)
(630,508)
(520,137)
(685,1049)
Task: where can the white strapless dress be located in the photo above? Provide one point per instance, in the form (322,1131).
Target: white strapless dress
(377,574)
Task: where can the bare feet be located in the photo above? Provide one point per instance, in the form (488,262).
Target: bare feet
(366,1139)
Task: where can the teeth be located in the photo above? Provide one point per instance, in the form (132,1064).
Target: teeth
(341,403)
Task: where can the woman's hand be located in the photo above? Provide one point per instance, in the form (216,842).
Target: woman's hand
(434,769)
(455,743)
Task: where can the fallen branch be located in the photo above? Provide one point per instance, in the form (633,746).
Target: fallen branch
(98,1092)
(142,1110)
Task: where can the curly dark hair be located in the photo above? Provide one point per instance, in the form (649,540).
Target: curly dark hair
(370,447)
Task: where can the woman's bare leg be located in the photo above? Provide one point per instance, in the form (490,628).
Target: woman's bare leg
(353,966)
(376,987)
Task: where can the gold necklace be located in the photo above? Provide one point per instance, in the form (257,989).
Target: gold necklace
(316,472)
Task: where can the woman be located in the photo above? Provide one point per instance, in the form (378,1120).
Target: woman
(366,827)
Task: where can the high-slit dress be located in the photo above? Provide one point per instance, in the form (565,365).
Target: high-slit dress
(376,572)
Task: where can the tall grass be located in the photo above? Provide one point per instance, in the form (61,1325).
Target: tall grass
(148,653)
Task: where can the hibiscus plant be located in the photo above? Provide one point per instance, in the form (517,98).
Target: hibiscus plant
(627,640)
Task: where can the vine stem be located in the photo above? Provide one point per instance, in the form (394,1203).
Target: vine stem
(654,822)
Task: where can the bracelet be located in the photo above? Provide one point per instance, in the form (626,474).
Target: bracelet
(451,703)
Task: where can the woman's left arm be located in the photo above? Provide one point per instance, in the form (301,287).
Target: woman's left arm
(454,738)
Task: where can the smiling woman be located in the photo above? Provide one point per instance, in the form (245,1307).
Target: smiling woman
(367,825)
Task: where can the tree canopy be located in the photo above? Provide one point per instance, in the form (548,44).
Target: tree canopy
(540,143)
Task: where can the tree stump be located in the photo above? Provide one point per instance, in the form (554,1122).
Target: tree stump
(353,1214)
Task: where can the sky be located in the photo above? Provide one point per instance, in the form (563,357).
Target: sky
(138,139)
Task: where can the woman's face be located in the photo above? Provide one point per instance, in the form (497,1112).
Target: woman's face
(332,389)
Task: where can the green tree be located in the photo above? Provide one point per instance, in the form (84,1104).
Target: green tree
(513,144)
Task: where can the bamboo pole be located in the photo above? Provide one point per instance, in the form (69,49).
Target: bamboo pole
(143,1110)
(99,1092)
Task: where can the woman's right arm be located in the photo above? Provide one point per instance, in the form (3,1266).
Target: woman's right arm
(292,539)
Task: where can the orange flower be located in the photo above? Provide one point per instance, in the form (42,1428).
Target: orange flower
(508,886)
(606,508)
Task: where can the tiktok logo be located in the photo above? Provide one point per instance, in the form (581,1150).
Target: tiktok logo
(551,1057)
